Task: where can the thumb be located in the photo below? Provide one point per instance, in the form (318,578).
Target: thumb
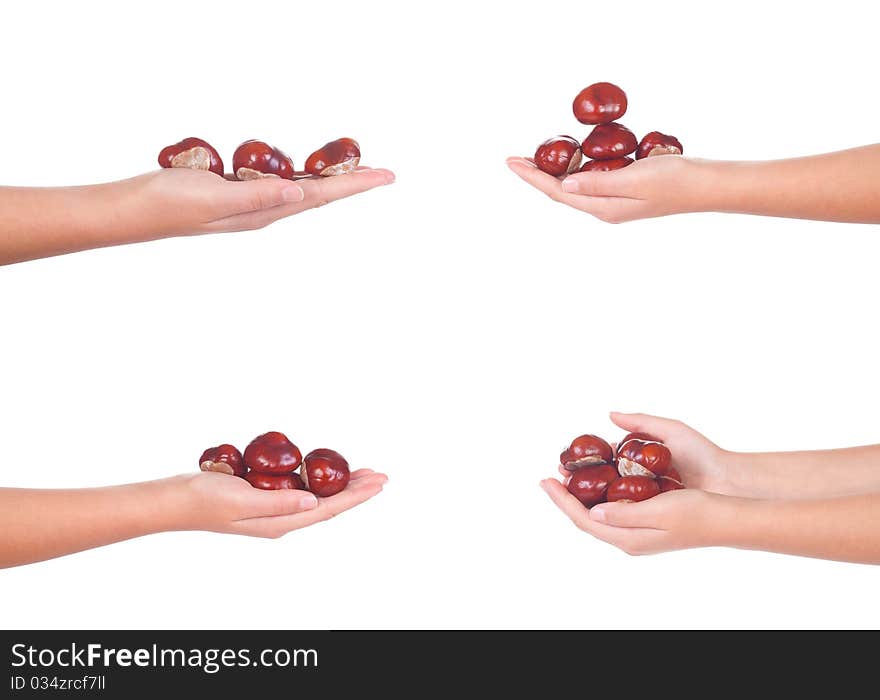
(621,514)
(615,183)
(259,504)
(265,193)
(643,423)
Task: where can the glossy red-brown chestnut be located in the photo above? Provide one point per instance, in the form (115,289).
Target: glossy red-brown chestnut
(643,458)
(599,103)
(632,488)
(325,472)
(272,453)
(590,484)
(657,144)
(559,156)
(256,159)
(225,459)
(603,166)
(273,482)
(670,481)
(192,153)
(335,158)
(586,450)
(609,141)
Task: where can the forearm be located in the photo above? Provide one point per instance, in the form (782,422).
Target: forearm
(844,529)
(842,186)
(42,524)
(803,475)
(41,222)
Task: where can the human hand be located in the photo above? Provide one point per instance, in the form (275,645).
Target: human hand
(180,201)
(650,187)
(673,520)
(228,504)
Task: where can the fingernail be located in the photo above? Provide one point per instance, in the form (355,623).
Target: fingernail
(597,513)
(389,178)
(293,194)
(569,184)
(308,502)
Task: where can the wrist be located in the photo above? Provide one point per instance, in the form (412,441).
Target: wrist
(169,502)
(732,520)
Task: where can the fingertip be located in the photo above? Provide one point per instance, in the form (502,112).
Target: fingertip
(293,193)
(599,513)
(571,185)
(307,501)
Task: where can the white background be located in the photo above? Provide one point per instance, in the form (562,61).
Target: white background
(455,329)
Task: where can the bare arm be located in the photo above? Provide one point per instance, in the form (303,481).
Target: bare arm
(842,186)
(39,222)
(39,524)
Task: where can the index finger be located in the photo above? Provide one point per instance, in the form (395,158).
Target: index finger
(323,190)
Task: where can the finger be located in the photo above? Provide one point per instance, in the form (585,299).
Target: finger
(644,514)
(323,190)
(257,195)
(615,183)
(327,508)
(256,503)
(644,423)
(611,209)
(360,473)
(575,510)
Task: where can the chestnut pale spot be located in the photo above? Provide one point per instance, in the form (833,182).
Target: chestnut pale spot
(251,174)
(664,151)
(341,168)
(196,158)
(211,466)
(627,467)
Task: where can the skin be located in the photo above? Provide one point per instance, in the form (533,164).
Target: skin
(39,524)
(840,186)
(823,504)
(38,222)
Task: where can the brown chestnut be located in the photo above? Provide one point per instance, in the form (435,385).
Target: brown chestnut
(599,103)
(256,159)
(590,484)
(192,153)
(334,158)
(670,481)
(272,453)
(608,141)
(643,458)
(604,166)
(225,459)
(657,144)
(559,156)
(325,472)
(274,482)
(632,488)
(586,450)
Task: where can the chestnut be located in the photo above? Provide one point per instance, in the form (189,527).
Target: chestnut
(590,484)
(643,458)
(334,158)
(272,453)
(325,472)
(657,144)
(586,450)
(670,481)
(605,165)
(559,156)
(637,436)
(599,103)
(609,141)
(632,488)
(274,482)
(256,159)
(192,153)
(225,459)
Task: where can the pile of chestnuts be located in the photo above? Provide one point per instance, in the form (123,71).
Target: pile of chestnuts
(271,462)
(609,145)
(640,468)
(256,159)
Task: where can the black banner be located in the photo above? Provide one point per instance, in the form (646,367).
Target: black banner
(118,664)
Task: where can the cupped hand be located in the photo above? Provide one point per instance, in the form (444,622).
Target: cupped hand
(228,504)
(180,201)
(656,186)
(673,520)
